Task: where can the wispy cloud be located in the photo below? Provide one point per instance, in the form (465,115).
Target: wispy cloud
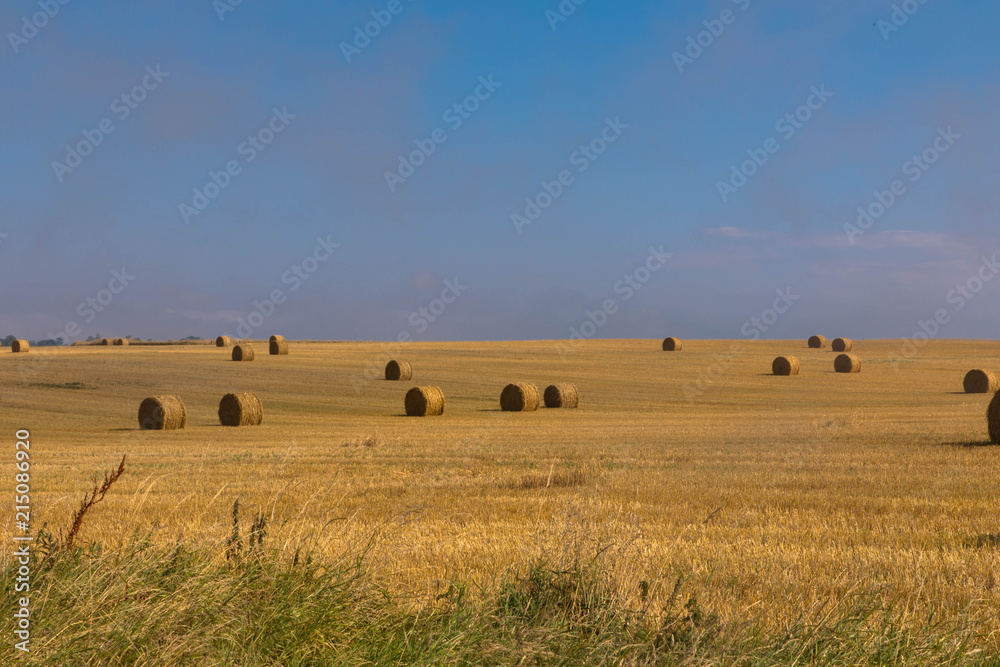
(735,233)
(201,316)
(895,239)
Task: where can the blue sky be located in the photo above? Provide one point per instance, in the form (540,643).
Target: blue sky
(554,90)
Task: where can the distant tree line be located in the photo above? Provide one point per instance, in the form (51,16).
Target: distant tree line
(54,342)
(47,342)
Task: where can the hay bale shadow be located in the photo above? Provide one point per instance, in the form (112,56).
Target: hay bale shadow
(969,444)
(984,541)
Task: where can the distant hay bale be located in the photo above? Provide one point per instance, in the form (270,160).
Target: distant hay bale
(121,342)
(842,345)
(817,342)
(276,339)
(424,402)
(993,418)
(519,397)
(398,370)
(562,396)
(162,413)
(243,352)
(981,382)
(847,363)
(223,341)
(277,347)
(20,346)
(241,410)
(672,344)
(105,341)
(785,366)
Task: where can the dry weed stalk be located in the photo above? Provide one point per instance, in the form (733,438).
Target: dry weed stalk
(91,499)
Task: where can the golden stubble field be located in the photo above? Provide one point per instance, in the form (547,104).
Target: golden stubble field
(819,486)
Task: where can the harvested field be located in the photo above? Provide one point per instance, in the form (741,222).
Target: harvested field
(826,487)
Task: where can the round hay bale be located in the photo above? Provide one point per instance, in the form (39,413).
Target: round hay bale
(121,342)
(241,410)
(981,382)
(424,402)
(817,342)
(519,397)
(162,413)
(276,339)
(105,341)
(223,341)
(243,352)
(847,363)
(20,346)
(562,396)
(785,366)
(277,347)
(672,344)
(993,418)
(842,345)
(398,370)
